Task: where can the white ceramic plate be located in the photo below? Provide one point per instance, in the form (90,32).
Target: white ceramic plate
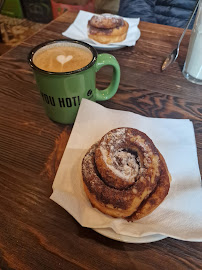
(128,239)
(107,48)
(103,47)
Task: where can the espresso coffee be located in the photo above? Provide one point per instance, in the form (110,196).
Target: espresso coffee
(62,57)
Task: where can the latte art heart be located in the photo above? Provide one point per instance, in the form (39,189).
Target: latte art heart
(64,59)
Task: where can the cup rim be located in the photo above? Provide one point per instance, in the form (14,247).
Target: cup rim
(36,48)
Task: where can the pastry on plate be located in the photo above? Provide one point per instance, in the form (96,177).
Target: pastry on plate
(124,174)
(107,28)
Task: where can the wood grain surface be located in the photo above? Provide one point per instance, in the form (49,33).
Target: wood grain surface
(36,233)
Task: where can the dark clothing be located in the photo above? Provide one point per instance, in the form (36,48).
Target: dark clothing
(168,12)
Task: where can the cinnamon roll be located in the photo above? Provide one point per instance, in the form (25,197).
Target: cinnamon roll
(124,175)
(107,28)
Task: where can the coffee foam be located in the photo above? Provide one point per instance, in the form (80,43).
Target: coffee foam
(62,57)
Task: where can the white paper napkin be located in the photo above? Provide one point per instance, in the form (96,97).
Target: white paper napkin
(78,30)
(180,214)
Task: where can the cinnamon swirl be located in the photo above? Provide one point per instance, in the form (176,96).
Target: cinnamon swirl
(124,175)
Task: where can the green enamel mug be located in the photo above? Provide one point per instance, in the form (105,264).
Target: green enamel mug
(62,92)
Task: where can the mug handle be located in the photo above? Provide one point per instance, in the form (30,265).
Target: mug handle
(105,59)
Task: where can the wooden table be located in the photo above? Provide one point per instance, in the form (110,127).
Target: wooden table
(36,233)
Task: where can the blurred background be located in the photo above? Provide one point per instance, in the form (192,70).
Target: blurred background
(20,19)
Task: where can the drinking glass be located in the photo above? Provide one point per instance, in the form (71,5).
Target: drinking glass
(193,65)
